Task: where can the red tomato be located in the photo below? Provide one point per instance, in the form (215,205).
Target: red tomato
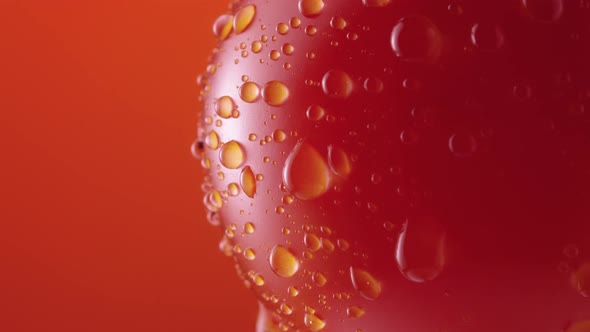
(403,165)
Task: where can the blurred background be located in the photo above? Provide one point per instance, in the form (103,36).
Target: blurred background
(101,220)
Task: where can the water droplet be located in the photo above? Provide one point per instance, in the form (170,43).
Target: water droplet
(305,172)
(328,245)
(248,181)
(275,93)
(544,10)
(293,291)
(312,241)
(232,155)
(256,46)
(355,312)
(311,30)
(343,244)
(233,189)
(365,283)
(376,3)
(288,49)
(581,280)
(249,92)
(416,38)
(282,28)
(313,322)
(421,250)
(244,18)
(319,279)
(311,8)
(282,262)
(339,161)
(337,84)
(286,309)
(258,279)
(279,135)
(487,36)
(249,254)
(462,145)
(373,85)
(223,26)
(274,55)
(315,112)
(212,140)
(338,23)
(224,107)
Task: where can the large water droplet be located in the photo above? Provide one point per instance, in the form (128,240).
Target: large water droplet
(275,93)
(244,18)
(416,38)
(224,107)
(232,155)
(487,36)
(421,250)
(311,8)
(365,283)
(282,262)
(581,280)
(249,92)
(305,173)
(223,26)
(337,84)
(544,10)
(248,181)
(313,322)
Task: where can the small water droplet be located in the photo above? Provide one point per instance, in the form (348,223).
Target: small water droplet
(487,36)
(256,46)
(319,279)
(462,145)
(212,140)
(279,136)
(373,85)
(283,262)
(365,283)
(244,18)
(338,23)
(305,173)
(315,112)
(288,49)
(339,161)
(355,312)
(293,291)
(232,155)
(249,254)
(282,28)
(312,241)
(337,84)
(248,181)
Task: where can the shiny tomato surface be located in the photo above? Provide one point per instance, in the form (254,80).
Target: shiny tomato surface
(403,165)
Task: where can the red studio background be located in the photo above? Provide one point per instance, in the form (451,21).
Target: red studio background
(101,221)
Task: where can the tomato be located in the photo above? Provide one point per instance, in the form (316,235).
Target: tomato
(381,165)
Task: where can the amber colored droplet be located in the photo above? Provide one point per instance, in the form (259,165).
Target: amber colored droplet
(249,92)
(223,26)
(343,244)
(421,250)
(293,291)
(337,84)
(233,189)
(275,93)
(288,49)
(248,181)
(581,280)
(249,254)
(286,309)
(212,140)
(279,135)
(256,46)
(328,245)
(213,201)
(252,137)
(244,18)
(376,3)
(282,28)
(313,322)
(312,241)
(282,262)
(274,55)
(355,312)
(311,8)
(319,279)
(258,280)
(365,283)
(295,22)
(338,23)
(305,173)
(224,107)
(311,30)
(249,228)
(232,155)
(339,161)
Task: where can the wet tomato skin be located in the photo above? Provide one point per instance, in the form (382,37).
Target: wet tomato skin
(382,165)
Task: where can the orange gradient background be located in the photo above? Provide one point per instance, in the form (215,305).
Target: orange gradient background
(101,220)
